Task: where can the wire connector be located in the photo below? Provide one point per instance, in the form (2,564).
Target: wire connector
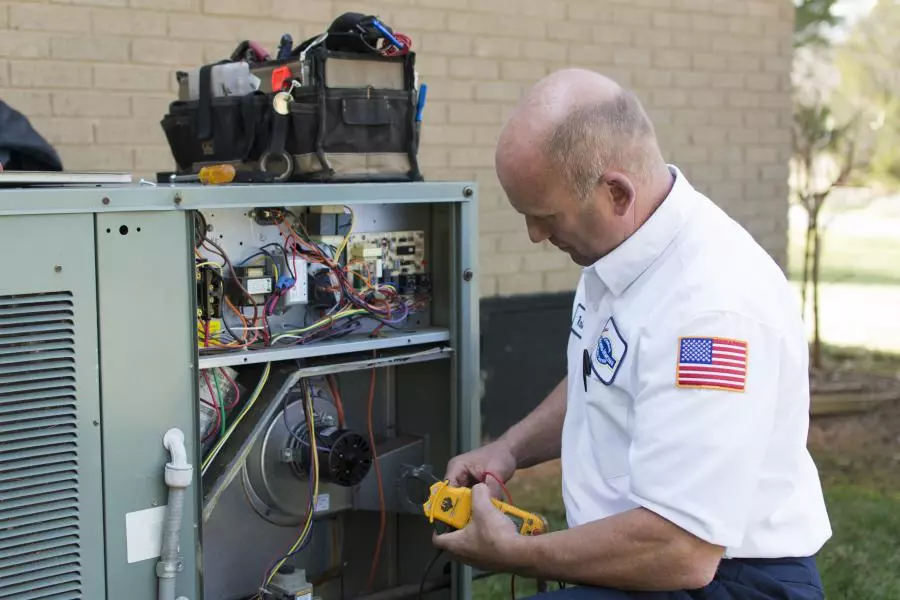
(285,282)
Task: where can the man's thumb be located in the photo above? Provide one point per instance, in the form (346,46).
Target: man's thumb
(481,498)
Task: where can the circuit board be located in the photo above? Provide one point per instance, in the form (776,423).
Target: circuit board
(394,258)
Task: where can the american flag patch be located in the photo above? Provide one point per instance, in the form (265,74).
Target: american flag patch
(712,363)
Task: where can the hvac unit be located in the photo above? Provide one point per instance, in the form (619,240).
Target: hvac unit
(216,392)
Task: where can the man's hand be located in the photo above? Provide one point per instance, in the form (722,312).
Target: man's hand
(468,469)
(487,542)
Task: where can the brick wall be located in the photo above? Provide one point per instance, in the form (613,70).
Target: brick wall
(95,76)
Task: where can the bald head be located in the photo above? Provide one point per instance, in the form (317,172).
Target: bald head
(579,124)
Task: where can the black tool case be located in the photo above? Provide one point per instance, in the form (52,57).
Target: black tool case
(351,117)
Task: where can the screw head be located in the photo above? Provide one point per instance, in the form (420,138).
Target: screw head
(177,198)
(468,275)
(106,200)
(57,268)
(96,423)
(467,192)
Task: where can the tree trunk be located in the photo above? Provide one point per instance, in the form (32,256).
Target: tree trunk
(816,263)
(807,259)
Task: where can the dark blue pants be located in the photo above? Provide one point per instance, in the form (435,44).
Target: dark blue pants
(736,579)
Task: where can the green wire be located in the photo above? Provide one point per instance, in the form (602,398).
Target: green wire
(219,401)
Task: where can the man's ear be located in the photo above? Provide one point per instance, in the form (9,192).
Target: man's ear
(621,191)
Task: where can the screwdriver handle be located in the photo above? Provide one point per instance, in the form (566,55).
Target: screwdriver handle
(216,174)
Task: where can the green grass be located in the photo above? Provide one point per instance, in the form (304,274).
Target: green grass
(862,560)
(850,259)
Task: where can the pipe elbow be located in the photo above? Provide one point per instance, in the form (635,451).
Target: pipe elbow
(179,472)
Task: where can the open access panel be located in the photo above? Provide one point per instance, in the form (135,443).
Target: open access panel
(310,343)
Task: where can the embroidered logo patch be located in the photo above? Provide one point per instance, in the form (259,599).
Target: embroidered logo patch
(712,363)
(608,353)
(578,321)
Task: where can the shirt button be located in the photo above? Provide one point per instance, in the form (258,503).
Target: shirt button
(595,306)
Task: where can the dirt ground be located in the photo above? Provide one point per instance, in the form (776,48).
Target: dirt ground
(862,447)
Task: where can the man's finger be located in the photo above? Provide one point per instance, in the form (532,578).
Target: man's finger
(494,487)
(446,541)
(481,500)
(458,474)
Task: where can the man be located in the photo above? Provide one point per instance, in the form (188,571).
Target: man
(682,422)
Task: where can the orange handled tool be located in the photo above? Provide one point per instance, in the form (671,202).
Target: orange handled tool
(210,175)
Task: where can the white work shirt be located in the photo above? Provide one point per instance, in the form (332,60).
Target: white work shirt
(697,400)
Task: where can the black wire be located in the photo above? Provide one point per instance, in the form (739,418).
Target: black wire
(427,571)
(199,228)
(287,260)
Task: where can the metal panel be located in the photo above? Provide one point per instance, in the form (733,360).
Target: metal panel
(50,480)
(113,198)
(388,340)
(148,342)
(467,380)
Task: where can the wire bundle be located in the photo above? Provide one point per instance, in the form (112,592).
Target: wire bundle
(217,403)
(226,433)
(352,303)
(313,498)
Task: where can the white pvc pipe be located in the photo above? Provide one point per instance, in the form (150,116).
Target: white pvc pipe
(178,477)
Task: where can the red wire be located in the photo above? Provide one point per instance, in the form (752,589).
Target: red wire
(497,479)
(214,405)
(378,479)
(392,50)
(332,386)
(237,391)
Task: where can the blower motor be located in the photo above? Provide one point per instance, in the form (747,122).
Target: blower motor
(345,457)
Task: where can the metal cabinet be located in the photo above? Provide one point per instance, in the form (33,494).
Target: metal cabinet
(105,346)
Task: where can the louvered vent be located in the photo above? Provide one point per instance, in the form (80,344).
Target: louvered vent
(40,545)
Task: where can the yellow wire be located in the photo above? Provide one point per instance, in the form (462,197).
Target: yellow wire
(253,398)
(337,255)
(315,475)
(322,323)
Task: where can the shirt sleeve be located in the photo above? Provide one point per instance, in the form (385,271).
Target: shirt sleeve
(703,415)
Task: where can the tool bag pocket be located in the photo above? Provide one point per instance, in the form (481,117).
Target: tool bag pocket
(356,121)
(353,135)
(216,129)
(233,131)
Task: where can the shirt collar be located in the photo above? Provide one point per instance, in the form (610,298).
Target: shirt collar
(621,267)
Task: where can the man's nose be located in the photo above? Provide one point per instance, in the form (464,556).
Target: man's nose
(535,231)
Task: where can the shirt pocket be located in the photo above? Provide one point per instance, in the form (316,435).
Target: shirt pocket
(608,413)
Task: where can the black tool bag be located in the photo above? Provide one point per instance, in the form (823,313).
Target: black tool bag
(217,130)
(351,118)
(357,122)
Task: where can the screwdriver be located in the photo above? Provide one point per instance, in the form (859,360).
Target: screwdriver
(211,175)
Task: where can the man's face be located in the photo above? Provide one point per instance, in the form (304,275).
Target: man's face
(585,229)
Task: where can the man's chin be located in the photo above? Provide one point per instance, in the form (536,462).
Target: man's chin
(579,259)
